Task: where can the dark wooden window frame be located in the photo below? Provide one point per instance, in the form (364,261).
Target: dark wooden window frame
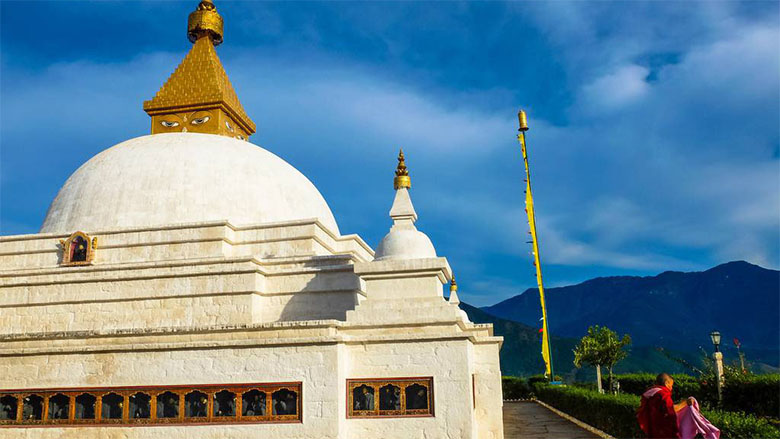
(126,421)
(376,384)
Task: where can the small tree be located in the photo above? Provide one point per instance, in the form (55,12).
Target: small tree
(601,347)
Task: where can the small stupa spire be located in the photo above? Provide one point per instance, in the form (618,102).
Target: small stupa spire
(454,291)
(401,179)
(198,97)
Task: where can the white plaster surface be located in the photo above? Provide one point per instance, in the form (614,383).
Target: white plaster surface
(177,178)
(404,241)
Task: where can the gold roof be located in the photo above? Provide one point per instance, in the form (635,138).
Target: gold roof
(200,82)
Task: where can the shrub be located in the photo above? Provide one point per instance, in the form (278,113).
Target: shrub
(684,386)
(616,415)
(515,388)
(755,394)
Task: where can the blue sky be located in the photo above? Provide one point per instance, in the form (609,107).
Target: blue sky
(654,139)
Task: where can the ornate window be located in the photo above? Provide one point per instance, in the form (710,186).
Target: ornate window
(231,403)
(285,402)
(389,397)
(32,408)
(140,406)
(111,406)
(224,404)
(167,405)
(9,406)
(253,404)
(196,405)
(85,406)
(59,405)
(78,249)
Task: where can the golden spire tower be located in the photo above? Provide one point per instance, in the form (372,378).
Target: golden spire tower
(401,179)
(198,97)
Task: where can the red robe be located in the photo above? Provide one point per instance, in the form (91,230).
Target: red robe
(656,414)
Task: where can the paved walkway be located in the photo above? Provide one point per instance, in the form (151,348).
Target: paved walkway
(529,420)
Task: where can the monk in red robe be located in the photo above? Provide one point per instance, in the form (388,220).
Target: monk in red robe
(657,414)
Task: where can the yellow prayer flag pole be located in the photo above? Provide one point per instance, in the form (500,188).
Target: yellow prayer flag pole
(529,209)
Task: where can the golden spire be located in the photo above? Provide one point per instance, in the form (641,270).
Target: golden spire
(205,20)
(401,179)
(198,97)
(453,285)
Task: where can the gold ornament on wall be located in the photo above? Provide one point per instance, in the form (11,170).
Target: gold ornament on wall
(78,249)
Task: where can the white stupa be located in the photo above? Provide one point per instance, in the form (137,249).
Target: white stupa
(189,284)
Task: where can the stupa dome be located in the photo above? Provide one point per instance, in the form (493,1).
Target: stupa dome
(175,178)
(405,244)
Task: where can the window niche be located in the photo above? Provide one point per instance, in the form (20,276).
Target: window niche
(85,406)
(196,405)
(224,404)
(284,402)
(140,406)
(59,406)
(32,408)
(9,406)
(253,403)
(78,249)
(111,406)
(390,397)
(167,405)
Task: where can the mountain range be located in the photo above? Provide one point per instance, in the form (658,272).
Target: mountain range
(675,311)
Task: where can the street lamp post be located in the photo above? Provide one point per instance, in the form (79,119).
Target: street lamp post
(718,357)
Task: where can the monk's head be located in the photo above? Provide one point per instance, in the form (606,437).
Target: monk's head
(664,379)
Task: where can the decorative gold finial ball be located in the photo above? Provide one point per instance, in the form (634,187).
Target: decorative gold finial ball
(205,21)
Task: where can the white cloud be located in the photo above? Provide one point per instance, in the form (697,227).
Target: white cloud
(621,87)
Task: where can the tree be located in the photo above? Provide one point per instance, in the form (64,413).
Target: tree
(601,347)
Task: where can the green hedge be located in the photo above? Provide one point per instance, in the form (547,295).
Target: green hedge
(616,415)
(755,394)
(515,388)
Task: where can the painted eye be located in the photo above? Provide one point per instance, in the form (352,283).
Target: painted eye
(167,124)
(230,128)
(200,120)
(240,137)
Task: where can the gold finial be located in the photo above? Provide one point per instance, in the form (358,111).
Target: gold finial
(205,21)
(523,121)
(453,285)
(401,179)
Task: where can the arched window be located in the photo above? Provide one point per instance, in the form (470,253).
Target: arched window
(363,398)
(284,402)
(111,406)
(140,406)
(32,408)
(85,406)
(167,405)
(389,397)
(8,408)
(416,397)
(253,403)
(195,405)
(224,404)
(58,406)
(79,247)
